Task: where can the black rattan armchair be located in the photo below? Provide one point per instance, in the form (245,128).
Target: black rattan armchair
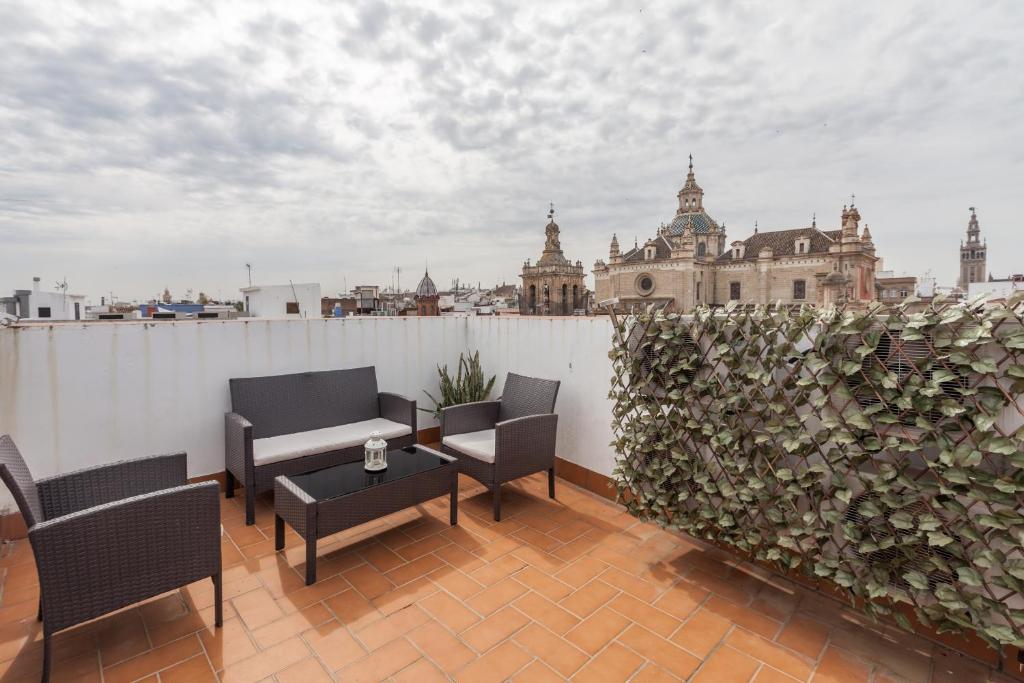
(498,441)
(110,536)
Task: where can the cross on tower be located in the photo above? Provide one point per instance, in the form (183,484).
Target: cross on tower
(852,197)
(551,212)
(691,162)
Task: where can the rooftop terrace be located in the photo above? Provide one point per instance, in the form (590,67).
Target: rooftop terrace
(573,588)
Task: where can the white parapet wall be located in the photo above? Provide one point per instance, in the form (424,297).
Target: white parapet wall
(74,395)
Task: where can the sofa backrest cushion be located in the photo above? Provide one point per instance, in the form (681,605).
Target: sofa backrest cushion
(286,404)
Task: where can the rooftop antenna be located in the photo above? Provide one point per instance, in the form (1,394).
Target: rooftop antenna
(248,267)
(301,313)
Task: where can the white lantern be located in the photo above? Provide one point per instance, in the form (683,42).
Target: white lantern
(376,453)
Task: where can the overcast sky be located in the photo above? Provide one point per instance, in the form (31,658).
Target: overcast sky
(331,142)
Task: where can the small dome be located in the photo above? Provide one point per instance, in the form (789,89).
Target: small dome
(835,278)
(426,286)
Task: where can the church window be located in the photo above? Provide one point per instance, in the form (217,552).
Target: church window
(575,297)
(799,289)
(702,249)
(645,284)
(533,298)
(698,291)
(565,298)
(734,291)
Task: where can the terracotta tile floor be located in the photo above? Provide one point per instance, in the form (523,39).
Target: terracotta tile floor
(572,588)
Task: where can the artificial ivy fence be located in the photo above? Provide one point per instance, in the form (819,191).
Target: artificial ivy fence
(882,449)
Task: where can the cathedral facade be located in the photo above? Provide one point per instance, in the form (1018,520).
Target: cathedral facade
(690,262)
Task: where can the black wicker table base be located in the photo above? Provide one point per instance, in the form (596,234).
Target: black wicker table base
(318,504)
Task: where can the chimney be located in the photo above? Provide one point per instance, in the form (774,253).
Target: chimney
(35,283)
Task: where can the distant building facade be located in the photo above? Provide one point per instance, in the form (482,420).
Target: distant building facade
(367,298)
(689,263)
(997,289)
(427,297)
(894,289)
(35,304)
(555,286)
(337,306)
(973,257)
(283,301)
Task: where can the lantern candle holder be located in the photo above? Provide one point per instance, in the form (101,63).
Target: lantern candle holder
(375,453)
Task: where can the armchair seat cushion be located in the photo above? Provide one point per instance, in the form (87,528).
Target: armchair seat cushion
(479,445)
(300,444)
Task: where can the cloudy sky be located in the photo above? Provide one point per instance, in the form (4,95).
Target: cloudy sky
(324,141)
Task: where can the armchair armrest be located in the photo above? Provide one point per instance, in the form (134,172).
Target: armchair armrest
(97,560)
(68,493)
(469,417)
(237,445)
(398,408)
(525,443)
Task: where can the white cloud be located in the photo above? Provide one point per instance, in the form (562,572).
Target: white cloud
(170,145)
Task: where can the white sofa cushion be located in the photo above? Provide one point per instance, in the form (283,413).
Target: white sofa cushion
(287,446)
(479,445)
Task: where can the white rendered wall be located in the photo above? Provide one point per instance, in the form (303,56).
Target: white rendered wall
(74,395)
(271,301)
(573,350)
(999,289)
(62,306)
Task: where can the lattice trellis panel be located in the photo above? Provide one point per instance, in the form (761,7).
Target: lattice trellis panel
(881,449)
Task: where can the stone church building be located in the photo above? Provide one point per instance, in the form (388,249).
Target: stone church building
(690,262)
(555,285)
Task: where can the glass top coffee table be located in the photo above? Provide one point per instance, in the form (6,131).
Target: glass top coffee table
(321,503)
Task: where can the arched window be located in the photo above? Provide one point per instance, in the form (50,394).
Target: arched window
(565,298)
(547,295)
(533,298)
(575,297)
(799,289)
(702,249)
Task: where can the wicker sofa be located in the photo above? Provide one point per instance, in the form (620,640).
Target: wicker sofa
(290,424)
(113,535)
(498,441)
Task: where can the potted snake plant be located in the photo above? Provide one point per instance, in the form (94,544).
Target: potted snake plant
(467,386)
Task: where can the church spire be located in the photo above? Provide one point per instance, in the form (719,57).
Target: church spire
(691,197)
(973,230)
(552,246)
